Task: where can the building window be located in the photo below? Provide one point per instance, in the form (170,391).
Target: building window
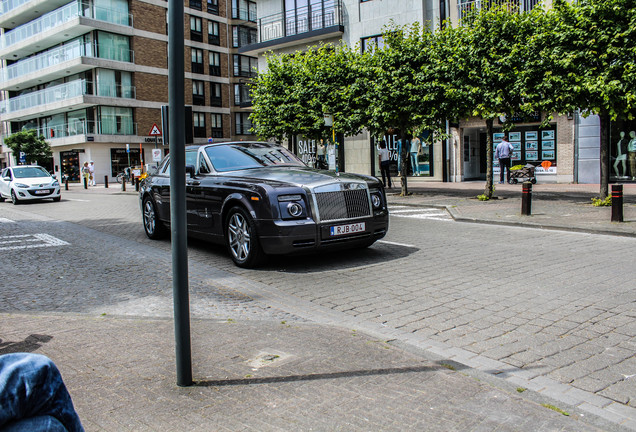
(242,95)
(113,47)
(195,29)
(198,120)
(242,36)
(244,10)
(214,37)
(371,43)
(214,61)
(198,93)
(243,124)
(245,66)
(213,7)
(216,99)
(197,60)
(195,4)
(217,125)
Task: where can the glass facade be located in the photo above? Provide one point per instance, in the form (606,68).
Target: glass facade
(622,146)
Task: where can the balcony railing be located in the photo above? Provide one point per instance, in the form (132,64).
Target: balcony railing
(61,16)
(464,7)
(9,5)
(62,54)
(301,20)
(85,127)
(61,93)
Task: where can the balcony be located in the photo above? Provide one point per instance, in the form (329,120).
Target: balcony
(60,98)
(65,23)
(303,25)
(76,131)
(57,63)
(14,13)
(465,6)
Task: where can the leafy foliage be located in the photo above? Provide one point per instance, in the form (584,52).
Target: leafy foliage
(35,147)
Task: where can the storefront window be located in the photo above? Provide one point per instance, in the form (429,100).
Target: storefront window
(423,157)
(623,151)
(531,146)
(121,159)
(70,165)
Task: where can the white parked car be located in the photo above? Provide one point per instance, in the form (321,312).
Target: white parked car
(28,182)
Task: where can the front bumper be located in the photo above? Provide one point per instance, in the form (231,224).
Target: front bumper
(286,237)
(36,193)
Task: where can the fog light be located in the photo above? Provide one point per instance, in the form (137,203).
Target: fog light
(295,209)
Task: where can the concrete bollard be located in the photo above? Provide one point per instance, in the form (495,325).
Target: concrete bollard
(617,203)
(123,186)
(106,181)
(526,199)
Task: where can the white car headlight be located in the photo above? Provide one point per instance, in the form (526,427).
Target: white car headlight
(21,185)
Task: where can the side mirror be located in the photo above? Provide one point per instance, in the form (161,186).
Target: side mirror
(54,176)
(7,179)
(190,170)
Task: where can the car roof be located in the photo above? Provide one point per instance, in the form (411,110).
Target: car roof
(196,146)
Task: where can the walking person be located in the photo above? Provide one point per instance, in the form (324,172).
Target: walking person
(91,172)
(321,155)
(86,173)
(385,161)
(503,153)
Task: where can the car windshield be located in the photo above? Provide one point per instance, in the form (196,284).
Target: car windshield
(249,155)
(28,172)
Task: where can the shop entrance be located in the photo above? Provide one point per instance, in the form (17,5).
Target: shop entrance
(70,165)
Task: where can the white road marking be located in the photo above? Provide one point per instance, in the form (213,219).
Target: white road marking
(29,241)
(396,244)
(75,199)
(5,220)
(419,213)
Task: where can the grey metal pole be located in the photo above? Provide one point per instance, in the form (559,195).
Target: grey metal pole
(176,103)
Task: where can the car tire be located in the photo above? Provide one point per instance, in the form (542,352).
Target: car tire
(14,198)
(2,198)
(241,238)
(57,199)
(153,227)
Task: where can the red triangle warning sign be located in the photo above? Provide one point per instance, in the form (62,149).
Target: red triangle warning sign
(155,130)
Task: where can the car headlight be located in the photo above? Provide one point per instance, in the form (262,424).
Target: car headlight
(291,206)
(21,185)
(55,183)
(376,201)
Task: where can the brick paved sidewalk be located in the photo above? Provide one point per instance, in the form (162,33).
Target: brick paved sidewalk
(268,376)
(554,206)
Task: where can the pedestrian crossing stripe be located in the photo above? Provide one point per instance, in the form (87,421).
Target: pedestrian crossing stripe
(419,213)
(5,220)
(29,241)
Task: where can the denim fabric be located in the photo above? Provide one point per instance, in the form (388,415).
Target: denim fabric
(33,396)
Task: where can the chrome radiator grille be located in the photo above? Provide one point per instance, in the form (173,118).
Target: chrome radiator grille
(346,204)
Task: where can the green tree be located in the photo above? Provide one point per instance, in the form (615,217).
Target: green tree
(594,52)
(35,147)
(490,62)
(409,87)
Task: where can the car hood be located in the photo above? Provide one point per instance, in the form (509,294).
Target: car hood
(34,181)
(299,176)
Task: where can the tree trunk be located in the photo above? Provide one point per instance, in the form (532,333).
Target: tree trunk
(604,120)
(404,163)
(489,157)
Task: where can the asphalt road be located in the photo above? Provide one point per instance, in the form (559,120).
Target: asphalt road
(556,309)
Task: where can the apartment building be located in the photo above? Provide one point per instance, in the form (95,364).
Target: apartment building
(571,143)
(91,77)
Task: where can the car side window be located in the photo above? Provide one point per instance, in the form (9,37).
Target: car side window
(203,165)
(191,158)
(166,168)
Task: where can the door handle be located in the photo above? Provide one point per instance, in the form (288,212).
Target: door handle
(193,183)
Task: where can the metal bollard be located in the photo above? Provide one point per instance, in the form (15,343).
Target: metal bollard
(526,199)
(132,179)
(85,183)
(123,186)
(106,181)
(137,184)
(66,184)
(617,203)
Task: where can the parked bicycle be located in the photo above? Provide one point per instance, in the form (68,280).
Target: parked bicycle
(123,176)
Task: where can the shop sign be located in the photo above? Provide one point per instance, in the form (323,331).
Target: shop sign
(307,151)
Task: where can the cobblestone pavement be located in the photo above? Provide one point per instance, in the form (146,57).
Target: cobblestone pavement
(550,311)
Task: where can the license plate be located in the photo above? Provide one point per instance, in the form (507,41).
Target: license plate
(347,229)
(42,192)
